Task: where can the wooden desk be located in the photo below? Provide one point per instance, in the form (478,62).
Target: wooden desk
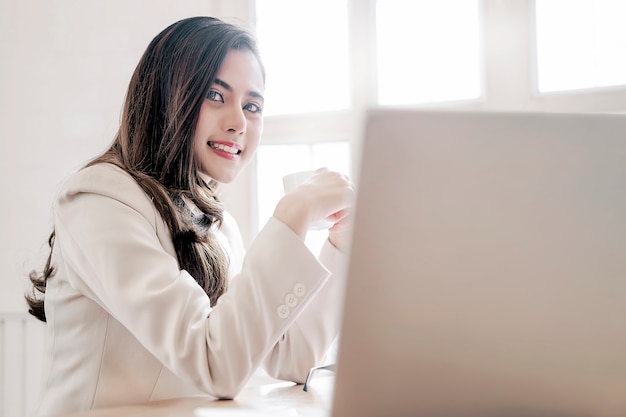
(261,397)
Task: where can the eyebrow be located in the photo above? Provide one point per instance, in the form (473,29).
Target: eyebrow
(227,86)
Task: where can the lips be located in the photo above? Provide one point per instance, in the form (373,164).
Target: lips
(228,150)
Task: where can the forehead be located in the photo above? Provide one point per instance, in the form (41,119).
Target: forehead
(242,71)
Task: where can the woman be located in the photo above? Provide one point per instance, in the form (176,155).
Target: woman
(139,300)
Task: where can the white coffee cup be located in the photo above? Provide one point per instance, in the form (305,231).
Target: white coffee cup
(293,180)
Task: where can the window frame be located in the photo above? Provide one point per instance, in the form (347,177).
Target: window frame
(509,83)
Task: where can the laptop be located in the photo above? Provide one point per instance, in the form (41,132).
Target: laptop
(487,275)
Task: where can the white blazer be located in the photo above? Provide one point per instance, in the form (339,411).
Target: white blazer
(126,325)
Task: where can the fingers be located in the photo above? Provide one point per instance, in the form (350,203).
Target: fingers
(340,234)
(339,216)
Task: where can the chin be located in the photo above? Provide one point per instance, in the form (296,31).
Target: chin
(223,178)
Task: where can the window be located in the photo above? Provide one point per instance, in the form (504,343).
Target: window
(328,61)
(426,52)
(584,47)
(311,69)
(304,46)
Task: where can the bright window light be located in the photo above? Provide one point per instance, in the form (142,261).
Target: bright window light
(580,44)
(304,47)
(428,51)
(276,161)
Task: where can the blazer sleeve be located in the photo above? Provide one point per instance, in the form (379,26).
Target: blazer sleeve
(107,231)
(307,342)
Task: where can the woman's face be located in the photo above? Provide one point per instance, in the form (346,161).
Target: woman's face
(229,127)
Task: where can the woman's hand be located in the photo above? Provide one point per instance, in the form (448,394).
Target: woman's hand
(340,234)
(325,195)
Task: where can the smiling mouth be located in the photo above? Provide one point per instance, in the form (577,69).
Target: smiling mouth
(224,148)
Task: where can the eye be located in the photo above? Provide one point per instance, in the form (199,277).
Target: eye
(253,108)
(215,96)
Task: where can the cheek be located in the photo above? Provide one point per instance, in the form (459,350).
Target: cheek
(200,131)
(198,146)
(254,137)
(203,124)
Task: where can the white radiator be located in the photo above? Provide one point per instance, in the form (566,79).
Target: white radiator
(22,348)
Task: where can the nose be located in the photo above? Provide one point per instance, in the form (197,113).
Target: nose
(235,120)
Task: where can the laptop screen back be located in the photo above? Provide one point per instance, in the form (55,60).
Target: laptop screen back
(488,268)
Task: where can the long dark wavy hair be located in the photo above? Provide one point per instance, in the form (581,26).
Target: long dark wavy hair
(154,145)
